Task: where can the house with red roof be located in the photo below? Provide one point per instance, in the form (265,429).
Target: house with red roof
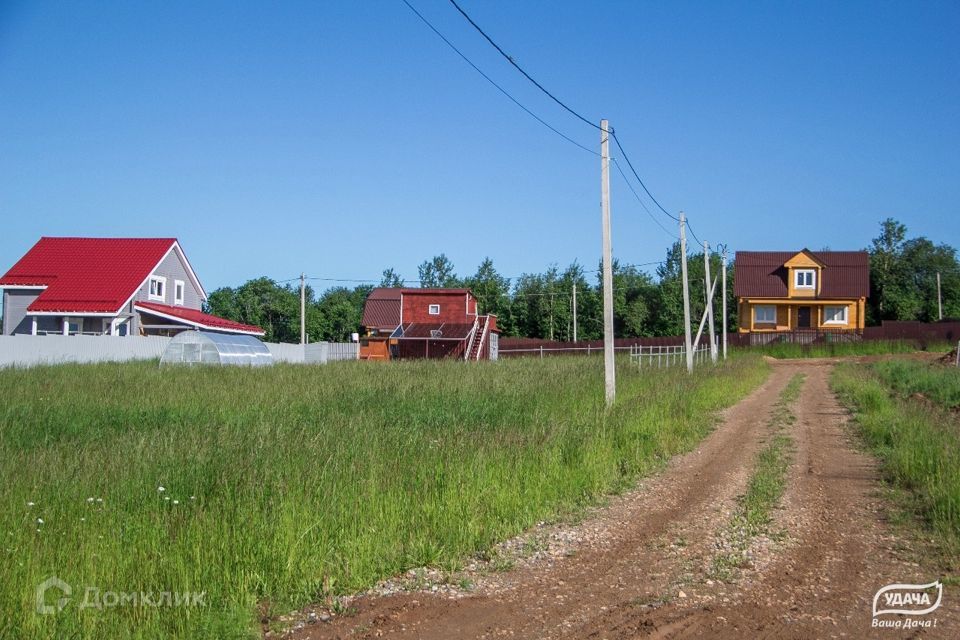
(801,290)
(107,286)
(426,323)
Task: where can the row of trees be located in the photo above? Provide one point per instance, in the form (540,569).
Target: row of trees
(540,305)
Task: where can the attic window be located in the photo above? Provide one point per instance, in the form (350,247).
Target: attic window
(158,288)
(178,291)
(805,279)
(434,310)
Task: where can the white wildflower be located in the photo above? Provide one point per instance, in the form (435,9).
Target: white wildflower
(161,489)
(39,520)
(30,504)
(100,500)
(176,502)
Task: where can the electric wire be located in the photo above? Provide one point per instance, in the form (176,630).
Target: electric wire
(494,83)
(642,203)
(611,131)
(519,68)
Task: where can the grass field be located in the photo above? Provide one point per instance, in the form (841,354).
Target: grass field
(835,349)
(268,489)
(916,440)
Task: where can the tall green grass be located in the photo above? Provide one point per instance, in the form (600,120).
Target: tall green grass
(941,384)
(918,445)
(835,349)
(294,483)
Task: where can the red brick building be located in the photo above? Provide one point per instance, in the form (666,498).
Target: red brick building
(427,323)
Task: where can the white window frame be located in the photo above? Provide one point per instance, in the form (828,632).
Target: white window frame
(765,307)
(433,309)
(802,272)
(179,292)
(158,297)
(845,313)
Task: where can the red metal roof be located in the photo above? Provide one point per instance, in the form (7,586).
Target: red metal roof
(87,275)
(198,318)
(382,309)
(761,274)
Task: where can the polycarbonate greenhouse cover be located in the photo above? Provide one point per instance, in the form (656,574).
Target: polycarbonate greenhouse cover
(205,347)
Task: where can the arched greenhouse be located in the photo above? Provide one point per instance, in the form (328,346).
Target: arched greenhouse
(204,347)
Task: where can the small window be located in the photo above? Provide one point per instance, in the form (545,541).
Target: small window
(74,326)
(178,288)
(434,310)
(765,314)
(805,279)
(835,315)
(158,288)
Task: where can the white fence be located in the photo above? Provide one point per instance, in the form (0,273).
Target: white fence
(660,356)
(28,351)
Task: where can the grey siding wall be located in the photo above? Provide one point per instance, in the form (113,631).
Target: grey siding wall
(172,268)
(15,303)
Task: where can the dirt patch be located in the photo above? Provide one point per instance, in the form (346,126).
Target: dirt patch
(639,567)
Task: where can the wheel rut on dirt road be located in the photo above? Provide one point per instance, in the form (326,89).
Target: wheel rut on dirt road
(658,539)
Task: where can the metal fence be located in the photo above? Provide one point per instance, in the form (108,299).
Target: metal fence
(660,356)
(324,352)
(29,351)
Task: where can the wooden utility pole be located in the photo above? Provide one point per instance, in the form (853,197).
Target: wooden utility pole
(709,293)
(723,292)
(686,292)
(303,308)
(609,371)
(939,299)
(574,311)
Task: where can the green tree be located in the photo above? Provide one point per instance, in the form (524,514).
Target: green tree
(391,279)
(437,272)
(903,276)
(493,293)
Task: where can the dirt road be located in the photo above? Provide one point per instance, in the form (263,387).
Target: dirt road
(640,567)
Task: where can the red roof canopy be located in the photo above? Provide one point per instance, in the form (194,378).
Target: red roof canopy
(87,275)
(199,319)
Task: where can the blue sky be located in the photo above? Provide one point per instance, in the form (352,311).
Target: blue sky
(340,138)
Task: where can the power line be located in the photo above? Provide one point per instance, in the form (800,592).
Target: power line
(513,62)
(519,68)
(637,176)
(642,204)
(491,81)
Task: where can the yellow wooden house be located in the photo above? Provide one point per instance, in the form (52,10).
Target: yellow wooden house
(801,290)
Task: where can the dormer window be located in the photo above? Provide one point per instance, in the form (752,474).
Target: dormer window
(158,288)
(805,279)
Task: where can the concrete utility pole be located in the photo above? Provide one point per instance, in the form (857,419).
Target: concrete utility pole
(686,292)
(303,308)
(723,292)
(609,371)
(709,293)
(574,311)
(939,299)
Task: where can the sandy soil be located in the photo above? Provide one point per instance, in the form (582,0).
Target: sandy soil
(640,566)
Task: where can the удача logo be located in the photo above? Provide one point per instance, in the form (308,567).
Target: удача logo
(907,599)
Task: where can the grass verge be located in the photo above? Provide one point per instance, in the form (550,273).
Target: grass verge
(764,489)
(917,443)
(835,349)
(267,489)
